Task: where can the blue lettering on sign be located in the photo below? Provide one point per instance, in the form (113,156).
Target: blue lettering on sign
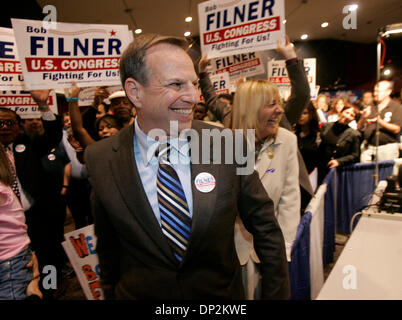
(90,244)
(95,47)
(272,170)
(245,13)
(6,47)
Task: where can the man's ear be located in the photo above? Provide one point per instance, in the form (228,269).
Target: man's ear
(134,91)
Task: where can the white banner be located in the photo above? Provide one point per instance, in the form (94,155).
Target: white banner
(230,27)
(220,82)
(80,247)
(84,53)
(239,66)
(23,103)
(11,77)
(278,75)
(87,95)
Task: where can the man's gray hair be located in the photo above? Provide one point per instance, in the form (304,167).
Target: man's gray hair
(132,62)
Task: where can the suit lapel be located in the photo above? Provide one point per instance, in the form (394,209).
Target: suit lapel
(203,203)
(128,181)
(265,161)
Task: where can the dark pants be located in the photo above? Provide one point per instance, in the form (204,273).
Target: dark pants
(45,221)
(78,200)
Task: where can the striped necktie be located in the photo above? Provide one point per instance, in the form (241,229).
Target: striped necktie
(173,207)
(12,165)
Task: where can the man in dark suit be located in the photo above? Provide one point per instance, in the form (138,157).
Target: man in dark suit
(165,223)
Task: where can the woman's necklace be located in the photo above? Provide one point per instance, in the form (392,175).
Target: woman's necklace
(258,148)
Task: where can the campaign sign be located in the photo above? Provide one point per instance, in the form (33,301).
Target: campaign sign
(84,53)
(239,66)
(87,95)
(230,27)
(11,77)
(80,247)
(23,103)
(220,82)
(278,75)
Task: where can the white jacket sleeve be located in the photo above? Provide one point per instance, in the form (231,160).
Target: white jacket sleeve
(289,202)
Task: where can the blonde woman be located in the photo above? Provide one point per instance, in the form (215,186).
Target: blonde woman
(257,105)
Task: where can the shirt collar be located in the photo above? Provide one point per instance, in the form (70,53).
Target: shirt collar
(148,145)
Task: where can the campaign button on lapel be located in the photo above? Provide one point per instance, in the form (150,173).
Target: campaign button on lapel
(205,182)
(20,148)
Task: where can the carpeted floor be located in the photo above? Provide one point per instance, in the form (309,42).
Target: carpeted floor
(70,289)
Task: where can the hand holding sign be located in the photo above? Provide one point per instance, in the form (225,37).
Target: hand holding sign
(203,63)
(101,94)
(74,91)
(287,50)
(41,97)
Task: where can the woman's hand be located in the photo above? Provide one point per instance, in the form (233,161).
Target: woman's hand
(333,164)
(203,63)
(287,50)
(33,286)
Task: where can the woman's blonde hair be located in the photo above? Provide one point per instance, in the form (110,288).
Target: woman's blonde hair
(250,96)
(6,174)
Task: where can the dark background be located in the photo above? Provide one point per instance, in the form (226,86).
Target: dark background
(341,65)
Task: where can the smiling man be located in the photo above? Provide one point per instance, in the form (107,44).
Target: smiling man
(165,228)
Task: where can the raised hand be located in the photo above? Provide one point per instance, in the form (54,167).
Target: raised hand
(203,63)
(287,50)
(40,97)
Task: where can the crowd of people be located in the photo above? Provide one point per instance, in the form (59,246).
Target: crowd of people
(161,233)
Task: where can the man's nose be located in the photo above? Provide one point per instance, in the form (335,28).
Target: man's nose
(192,94)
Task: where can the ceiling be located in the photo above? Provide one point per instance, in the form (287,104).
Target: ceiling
(167,16)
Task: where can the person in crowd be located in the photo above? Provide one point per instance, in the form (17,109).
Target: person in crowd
(257,105)
(54,167)
(78,188)
(96,109)
(296,103)
(321,104)
(27,152)
(336,107)
(389,120)
(367,100)
(103,109)
(121,107)
(57,169)
(143,253)
(340,144)
(200,111)
(104,126)
(307,131)
(107,126)
(19,273)
(226,98)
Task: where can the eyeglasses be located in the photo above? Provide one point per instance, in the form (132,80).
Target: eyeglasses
(8,123)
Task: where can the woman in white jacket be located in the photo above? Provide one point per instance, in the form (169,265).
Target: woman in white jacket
(258,106)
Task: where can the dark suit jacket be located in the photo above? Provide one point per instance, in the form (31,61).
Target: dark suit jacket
(298,100)
(28,162)
(135,258)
